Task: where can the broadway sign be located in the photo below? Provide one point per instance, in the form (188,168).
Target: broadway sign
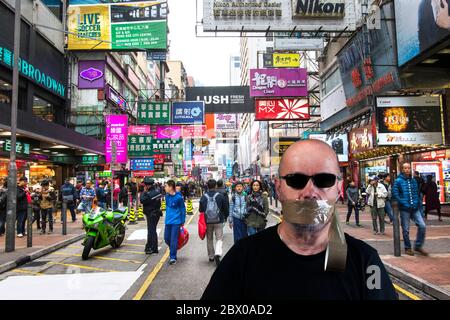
(282,109)
(233,99)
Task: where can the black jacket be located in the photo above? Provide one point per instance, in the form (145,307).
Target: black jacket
(222,203)
(22,202)
(151,200)
(67,189)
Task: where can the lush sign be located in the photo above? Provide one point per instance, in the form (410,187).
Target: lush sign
(153,113)
(30,71)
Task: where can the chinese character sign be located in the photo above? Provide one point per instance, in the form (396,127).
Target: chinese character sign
(142,164)
(22,148)
(153,113)
(194,131)
(288,82)
(117,130)
(139,146)
(168,132)
(189,112)
(165,145)
(282,109)
(89,160)
(139,130)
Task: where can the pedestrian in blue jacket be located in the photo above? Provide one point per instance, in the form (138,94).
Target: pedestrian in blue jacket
(175,218)
(405,192)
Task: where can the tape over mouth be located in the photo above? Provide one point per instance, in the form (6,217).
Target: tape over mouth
(309,212)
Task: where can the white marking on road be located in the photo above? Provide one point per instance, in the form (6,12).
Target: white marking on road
(141,268)
(78,286)
(141,234)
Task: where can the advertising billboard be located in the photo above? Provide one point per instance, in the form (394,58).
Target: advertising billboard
(298,44)
(140,146)
(361,140)
(139,130)
(278,147)
(226,122)
(195,131)
(289,82)
(168,132)
(117,130)
(113,25)
(339,144)
(420,25)
(278,15)
(282,109)
(116,98)
(409,120)
(232,99)
(153,113)
(91,74)
(142,164)
(188,112)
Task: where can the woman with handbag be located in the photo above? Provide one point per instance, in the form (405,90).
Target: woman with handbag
(257,208)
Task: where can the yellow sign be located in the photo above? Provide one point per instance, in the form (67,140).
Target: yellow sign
(286,60)
(89,26)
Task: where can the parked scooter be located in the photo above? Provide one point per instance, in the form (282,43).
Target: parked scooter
(103,228)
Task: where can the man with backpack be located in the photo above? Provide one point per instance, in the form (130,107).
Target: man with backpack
(69,194)
(215,206)
(47,197)
(238,211)
(151,201)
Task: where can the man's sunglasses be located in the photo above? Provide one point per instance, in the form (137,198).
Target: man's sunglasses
(321,180)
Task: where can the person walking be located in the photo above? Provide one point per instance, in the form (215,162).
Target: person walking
(36,205)
(3,205)
(238,210)
(151,201)
(87,195)
(23,198)
(386,181)
(69,194)
(353,196)
(215,207)
(47,197)
(377,195)
(420,183)
(123,195)
(430,190)
(175,218)
(257,208)
(405,192)
(101,194)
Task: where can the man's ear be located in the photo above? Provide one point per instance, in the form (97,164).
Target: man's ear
(278,186)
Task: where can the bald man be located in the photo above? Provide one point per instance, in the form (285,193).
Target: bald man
(287,261)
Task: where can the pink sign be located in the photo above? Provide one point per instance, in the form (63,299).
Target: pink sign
(279,82)
(117,130)
(168,132)
(194,131)
(139,130)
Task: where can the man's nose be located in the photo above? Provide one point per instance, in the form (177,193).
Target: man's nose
(309,192)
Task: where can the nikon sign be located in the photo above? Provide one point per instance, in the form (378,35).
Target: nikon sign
(318,8)
(279,15)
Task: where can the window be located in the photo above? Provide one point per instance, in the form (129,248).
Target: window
(5,92)
(43,109)
(331,82)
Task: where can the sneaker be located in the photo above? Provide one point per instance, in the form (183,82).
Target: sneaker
(42,231)
(409,252)
(347,223)
(360,226)
(154,253)
(217,259)
(20,235)
(211,259)
(376,233)
(50,232)
(172,261)
(421,252)
(382,233)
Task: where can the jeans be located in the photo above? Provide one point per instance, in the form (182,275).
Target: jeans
(349,213)
(239,229)
(421,204)
(71,208)
(37,217)
(102,205)
(44,214)
(388,210)
(152,236)
(416,216)
(85,206)
(377,213)
(216,229)
(21,218)
(171,233)
(252,230)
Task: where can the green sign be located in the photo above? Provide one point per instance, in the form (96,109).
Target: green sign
(149,35)
(104,174)
(166,145)
(140,146)
(21,148)
(153,113)
(64,159)
(28,70)
(89,160)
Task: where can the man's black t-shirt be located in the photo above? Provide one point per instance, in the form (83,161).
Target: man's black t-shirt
(263,267)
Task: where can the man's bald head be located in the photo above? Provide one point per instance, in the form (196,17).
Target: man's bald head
(315,150)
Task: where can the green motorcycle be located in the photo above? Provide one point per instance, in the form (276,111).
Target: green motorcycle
(103,228)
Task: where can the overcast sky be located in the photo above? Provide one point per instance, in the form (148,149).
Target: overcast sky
(206,59)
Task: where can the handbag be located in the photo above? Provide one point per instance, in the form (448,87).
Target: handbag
(201,226)
(183,237)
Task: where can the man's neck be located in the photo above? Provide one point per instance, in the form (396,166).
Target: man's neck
(306,244)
